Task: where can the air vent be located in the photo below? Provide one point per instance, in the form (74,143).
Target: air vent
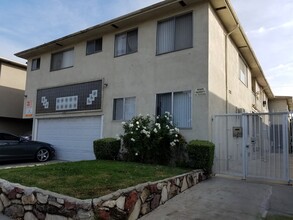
(114,26)
(182,3)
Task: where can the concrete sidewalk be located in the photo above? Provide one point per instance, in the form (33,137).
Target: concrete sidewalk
(227,198)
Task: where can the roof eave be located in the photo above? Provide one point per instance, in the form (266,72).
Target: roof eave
(11,62)
(289,100)
(108,26)
(229,19)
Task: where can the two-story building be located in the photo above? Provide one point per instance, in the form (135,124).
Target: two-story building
(12,86)
(188,57)
(281,104)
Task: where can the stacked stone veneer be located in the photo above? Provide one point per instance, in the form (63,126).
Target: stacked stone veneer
(19,202)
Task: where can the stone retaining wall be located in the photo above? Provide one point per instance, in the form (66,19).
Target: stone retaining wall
(19,202)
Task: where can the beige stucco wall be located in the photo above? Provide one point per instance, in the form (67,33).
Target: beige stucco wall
(142,74)
(221,75)
(278,105)
(12,76)
(12,85)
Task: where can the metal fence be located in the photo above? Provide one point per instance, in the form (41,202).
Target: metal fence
(254,145)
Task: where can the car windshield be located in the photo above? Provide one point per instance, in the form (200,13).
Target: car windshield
(10,137)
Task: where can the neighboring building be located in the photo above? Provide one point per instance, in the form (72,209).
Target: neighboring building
(281,104)
(12,86)
(191,58)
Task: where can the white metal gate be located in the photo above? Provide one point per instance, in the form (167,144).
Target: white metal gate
(254,145)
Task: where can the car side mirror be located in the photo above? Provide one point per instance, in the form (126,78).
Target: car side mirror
(21,139)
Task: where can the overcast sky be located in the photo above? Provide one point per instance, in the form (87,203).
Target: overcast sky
(267,23)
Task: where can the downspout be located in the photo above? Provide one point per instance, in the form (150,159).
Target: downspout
(226,63)
(227,103)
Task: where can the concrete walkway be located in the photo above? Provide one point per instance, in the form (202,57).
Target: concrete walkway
(227,198)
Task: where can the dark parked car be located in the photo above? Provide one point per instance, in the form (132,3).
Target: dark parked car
(18,148)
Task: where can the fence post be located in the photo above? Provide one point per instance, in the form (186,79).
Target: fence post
(244,146)
(286,163)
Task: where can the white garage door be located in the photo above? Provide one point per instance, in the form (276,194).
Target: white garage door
(72,137)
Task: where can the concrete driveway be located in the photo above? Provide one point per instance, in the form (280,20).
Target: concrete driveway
(15,164)
(228,198)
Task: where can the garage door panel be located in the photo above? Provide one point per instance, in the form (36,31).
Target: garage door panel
(72,137)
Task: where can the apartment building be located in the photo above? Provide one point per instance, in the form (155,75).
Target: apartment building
(188,57)
(12,86)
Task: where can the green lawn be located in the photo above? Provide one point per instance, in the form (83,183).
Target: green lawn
(88,179)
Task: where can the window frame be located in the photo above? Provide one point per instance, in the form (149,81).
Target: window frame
(241,73)
(96,48)
(172,106)
(36,64)
(114,117)
(126,50)
(174,43)
(59,53)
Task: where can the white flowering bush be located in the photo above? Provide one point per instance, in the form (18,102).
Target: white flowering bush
(151,141)
(136,138)
(166,138)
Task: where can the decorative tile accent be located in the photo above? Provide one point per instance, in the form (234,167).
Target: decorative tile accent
(89,96)
(66,103)
(45,102)
(92,97)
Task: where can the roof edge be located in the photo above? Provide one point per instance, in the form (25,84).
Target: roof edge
(25,54)
(267,88)
(289,100)
(14,63)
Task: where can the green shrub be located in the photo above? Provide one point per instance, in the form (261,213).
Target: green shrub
(149,141)
(201,155)
(107,148)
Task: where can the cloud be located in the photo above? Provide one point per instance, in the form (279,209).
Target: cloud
(25,24)
(266,30)
(280,79)
(8,48)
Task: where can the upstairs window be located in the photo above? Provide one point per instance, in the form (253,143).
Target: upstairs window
(124,108)
(36,64)
(94,46)
(174,34)
(178,104)
(243,72)
(126,43)
(62,60)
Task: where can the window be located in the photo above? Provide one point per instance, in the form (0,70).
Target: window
(124,108)
(62,60)
(174,34)
(8,137)
(36,64)
(178,104)
(94,46)
(243,72)
(126,43)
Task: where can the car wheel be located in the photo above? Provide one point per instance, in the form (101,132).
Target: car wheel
(42,155)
